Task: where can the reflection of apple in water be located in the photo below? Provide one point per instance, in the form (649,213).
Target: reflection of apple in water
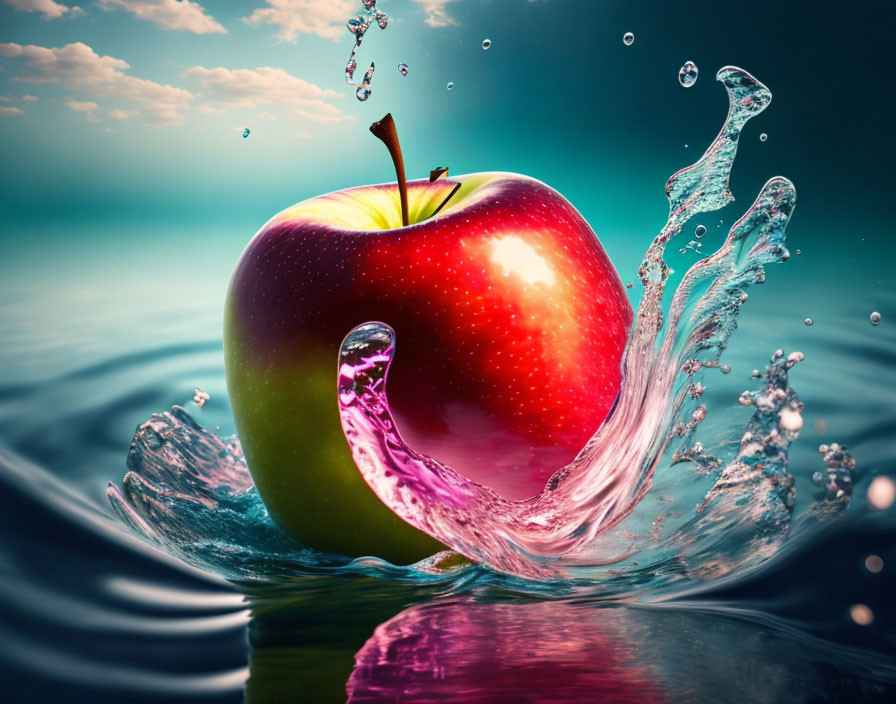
(467,651)
(510,324)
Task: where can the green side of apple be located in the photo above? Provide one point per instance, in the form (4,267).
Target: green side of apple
(288,422)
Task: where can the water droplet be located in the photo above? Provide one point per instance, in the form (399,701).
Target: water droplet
(628,39)
(403,69)
(763,137)
(874,318)
(687,74)
(357,26)
(200,397)
(808,321)
(881,493)
(486,44)
(245,133)
(699,231)
(874,563)
(450,85)
(861,614)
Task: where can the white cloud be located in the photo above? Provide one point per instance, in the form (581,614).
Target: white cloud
(121,114)
(302,135)
(9,112)
(86,106)
(436,15)
(77,67)
(50,10)
(169,14)
(325,18)
(248,88)
(30,98)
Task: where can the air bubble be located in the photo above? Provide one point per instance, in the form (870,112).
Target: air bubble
(628,39)
(699,231)
(403,69)
(687,75)
(486,44)
(763,137)
(808,321)
(450,85)
(245,133)
(874,318)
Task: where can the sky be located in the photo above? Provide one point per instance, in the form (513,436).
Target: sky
(123,118)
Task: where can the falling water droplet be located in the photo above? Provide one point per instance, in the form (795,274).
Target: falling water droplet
(403,69)
(245,133)
(450,85)
(874,318)
(486,44)
(687,75)
(763,137)
(699,231)
(628,39)
(808,321)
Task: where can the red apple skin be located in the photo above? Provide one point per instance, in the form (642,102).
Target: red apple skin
(510,326)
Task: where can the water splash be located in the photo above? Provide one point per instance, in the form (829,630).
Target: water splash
(358,26)
(595,515)
(200,397)
(546,535)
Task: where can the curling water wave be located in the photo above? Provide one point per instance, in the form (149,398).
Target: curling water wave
(719,504)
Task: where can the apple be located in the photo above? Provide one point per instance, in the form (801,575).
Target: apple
(510,326)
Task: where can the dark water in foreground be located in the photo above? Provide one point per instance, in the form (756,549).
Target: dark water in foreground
(89,614)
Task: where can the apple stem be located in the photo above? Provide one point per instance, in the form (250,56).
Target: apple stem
(385,131)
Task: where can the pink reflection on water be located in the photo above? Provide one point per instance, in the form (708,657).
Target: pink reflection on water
(467,652)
